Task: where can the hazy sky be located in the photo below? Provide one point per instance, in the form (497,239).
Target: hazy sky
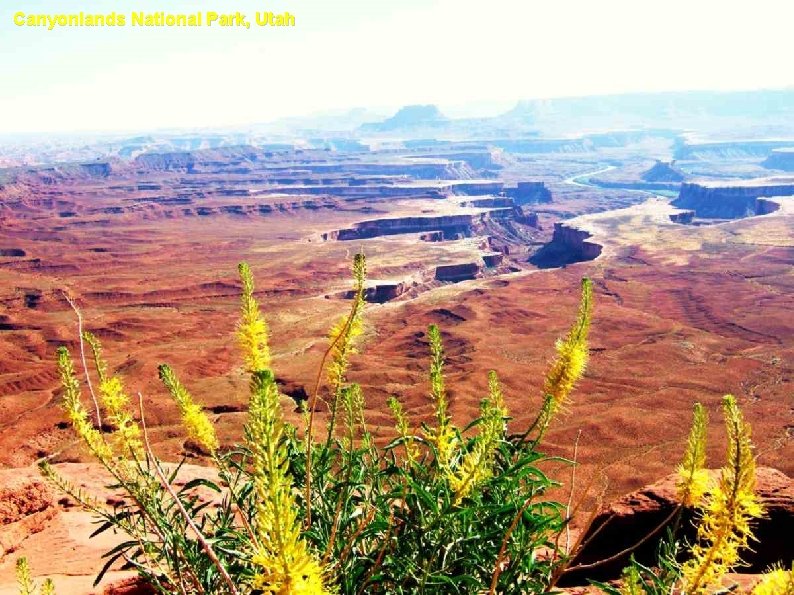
(378,53)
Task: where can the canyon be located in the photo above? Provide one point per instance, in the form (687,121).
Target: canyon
(689,242)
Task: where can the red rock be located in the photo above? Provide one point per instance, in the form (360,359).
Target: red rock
(25,508)
(129,586)
(630,518)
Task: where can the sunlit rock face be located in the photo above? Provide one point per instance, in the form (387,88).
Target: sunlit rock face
(731,201)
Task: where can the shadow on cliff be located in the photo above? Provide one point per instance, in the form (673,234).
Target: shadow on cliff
(568,245)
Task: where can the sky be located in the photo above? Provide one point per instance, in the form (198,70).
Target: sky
(469,57)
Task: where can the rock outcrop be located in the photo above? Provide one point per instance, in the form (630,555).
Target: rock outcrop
(529,192)
(410,116)
(629,519)
(451,226)
(682,216)
(15,252)
(730,201)
(381,291)
(458,272)
(493,259)
(782,159)
(96,170)
(568,245)
(26,506)
(663,171)
(182,161)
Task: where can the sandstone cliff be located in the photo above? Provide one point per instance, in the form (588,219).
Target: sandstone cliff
(735,201)
(450,226)
(568,245)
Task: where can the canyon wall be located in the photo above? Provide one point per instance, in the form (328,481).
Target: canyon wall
(458,272)
(450,226)
(529,192)
(729,202)
(782,159)
(568,245)
(729,150)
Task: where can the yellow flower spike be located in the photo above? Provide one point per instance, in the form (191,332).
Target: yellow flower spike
(477,464)
(48,587)
(443,436)
(115,402)
(724,528)
(96,352)
(693,478)
(353,401)
(343,335)
(495,395)
(631,583)
(252,331)
(568,368)
(776,582)
(196,422)
(76,413)
(24,581)
(284,562)
(403,429)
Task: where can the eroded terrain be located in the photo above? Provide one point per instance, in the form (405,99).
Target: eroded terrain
(690,244)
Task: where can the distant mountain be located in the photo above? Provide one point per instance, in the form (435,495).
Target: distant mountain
(671,109)
(332,121)
(408,118)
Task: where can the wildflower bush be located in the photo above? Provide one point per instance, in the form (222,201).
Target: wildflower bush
(308,510)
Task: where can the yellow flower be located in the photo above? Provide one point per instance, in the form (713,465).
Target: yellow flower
(443,436)
(115,402)
(343,336)
(353,400)
(568,368)
(303,577)
(477,464)
(76,413)
(632,582)
(284,564)
(283,558)
(25,582)
(724,528)
(401,424)
(113,398)
(693,478)
(23,577)
(196,422)
(776,582)
(252,331)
